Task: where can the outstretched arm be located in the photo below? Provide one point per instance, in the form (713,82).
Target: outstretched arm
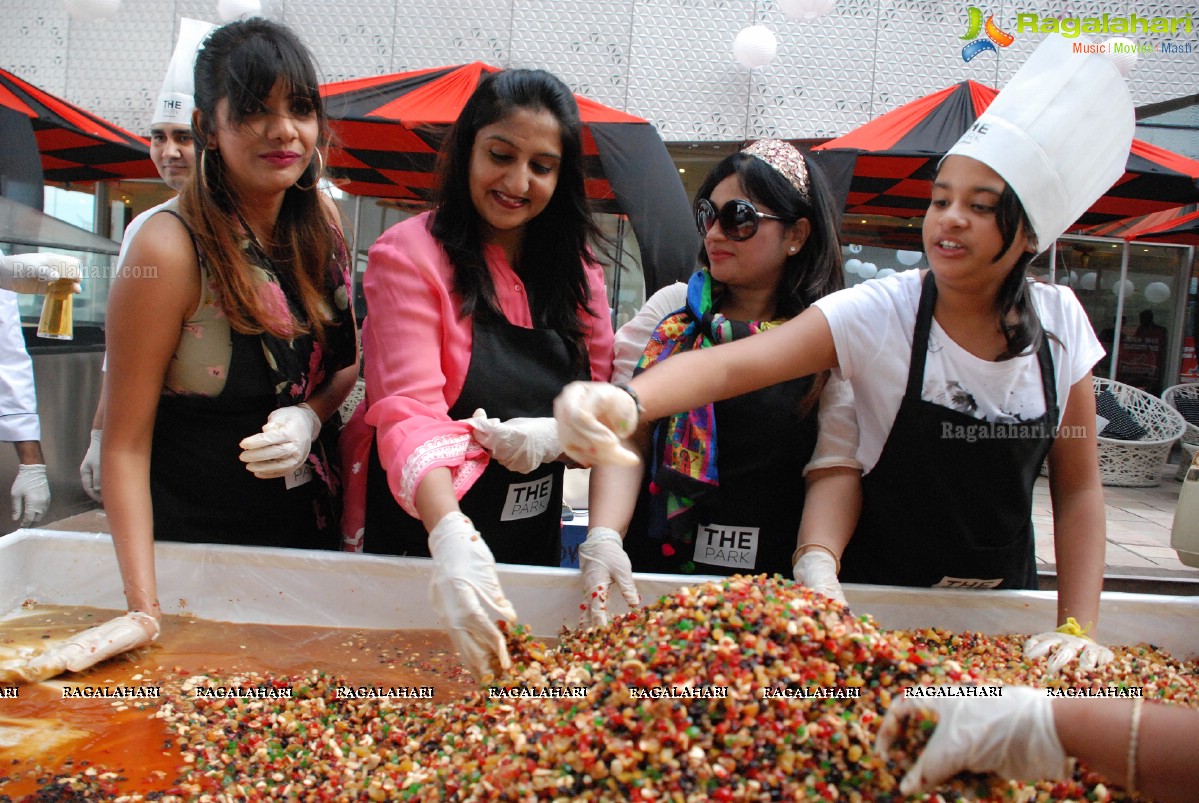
(802,346)
(1079,527)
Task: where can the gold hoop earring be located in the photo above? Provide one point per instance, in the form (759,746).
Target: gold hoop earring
(316,179)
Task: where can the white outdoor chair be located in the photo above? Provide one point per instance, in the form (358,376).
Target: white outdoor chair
(1188,391)
(1138,463)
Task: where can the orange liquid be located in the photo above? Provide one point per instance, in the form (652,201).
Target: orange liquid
(43,735)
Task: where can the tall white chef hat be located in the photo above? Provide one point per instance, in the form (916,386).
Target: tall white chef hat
(175,99)
(1059,134)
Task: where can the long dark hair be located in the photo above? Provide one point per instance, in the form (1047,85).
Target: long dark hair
(816,269)
(555,243)
(240,62)
(1024,335)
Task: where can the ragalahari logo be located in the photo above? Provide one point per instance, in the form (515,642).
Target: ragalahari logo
(993,34)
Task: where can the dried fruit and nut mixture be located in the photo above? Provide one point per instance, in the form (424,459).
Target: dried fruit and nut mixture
(743,635)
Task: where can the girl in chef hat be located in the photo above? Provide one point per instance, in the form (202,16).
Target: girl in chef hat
(964,375)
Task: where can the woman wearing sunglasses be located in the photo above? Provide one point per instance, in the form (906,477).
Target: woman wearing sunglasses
(720,497)
(965,376)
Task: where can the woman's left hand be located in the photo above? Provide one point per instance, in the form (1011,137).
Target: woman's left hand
(519,444)
(284,443)
(1064,645)
(603,563)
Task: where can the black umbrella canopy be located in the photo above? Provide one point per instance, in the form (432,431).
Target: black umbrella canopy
(75,145)
(885,166)
(388,130)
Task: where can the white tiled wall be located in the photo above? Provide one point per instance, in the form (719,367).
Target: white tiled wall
(667,60)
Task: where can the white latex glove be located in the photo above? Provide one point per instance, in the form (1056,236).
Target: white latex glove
(1012,736)
(134,629)
(89,469)
(520,444)
(603,562)
(466,593)
(284,443)
(32,273)
(30,494)
(592,418)
(1066,643)
(817,570)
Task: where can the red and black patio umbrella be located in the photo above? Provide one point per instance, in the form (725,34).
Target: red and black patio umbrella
(1183,229)
(75,145)
(1180,225)
(388,130)
(885,166)
(1170,221)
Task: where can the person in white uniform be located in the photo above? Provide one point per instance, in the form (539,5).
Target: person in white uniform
(174,154)
(19,422)
(963,376)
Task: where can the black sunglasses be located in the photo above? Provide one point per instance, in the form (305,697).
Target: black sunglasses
(738,219)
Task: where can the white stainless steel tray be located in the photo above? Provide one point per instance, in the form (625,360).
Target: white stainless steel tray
(282,586)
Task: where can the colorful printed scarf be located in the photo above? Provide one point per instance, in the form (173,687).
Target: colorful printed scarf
(686,472)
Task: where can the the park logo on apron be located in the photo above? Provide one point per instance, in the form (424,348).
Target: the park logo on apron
(727,545)
(527,499)
(967,582)
(301,475)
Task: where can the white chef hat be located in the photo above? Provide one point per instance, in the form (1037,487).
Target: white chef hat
(1059,134)
(175,99)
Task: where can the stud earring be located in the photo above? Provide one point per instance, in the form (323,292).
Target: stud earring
(793,249)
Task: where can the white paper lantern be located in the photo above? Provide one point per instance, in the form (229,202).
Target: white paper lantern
(1129,288)
(908,258)
(1157,292)
(1087,280)
(854,248)
(806,10)
(868,270)
(1126,58)
(92,10)
(755,46)
(230,10)
(852,266)
(884,273)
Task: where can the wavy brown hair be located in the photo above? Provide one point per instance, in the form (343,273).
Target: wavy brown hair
(240,63)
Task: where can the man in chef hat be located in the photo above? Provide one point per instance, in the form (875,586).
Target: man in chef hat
(173,154)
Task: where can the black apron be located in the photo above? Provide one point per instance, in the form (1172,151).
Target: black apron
(201,490)
(514,372)
(749,525)
(940,510)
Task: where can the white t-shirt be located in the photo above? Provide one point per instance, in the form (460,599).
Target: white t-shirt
(134,226)
(837,430)
(873,326)
(18,397)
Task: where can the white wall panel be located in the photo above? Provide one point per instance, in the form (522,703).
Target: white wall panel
(667,60)
(683,75)
(357,41)
(819,84)
(115,66)
(586,44)
(432,33)
(34,43)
